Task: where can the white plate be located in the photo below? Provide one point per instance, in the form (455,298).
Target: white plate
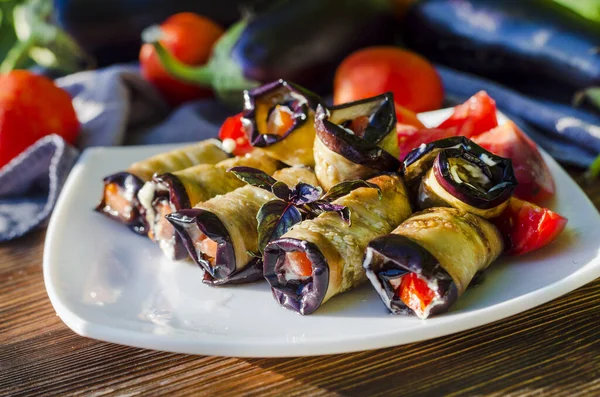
(109,284)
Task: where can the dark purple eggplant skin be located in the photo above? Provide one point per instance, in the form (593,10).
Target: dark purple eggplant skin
(302,297)
(535,46)
(501,175)
(304,41)
(393,256)
(209,224)
(177,194)
(252,273)
(130,181)
(363,151)
(276,88)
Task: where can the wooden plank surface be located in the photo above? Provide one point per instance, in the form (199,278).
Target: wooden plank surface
(553,350)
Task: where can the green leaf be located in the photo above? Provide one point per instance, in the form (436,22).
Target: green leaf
(274,219)
(343,188)
(254,177)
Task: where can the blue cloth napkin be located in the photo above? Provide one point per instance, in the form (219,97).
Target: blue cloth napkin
(115,106)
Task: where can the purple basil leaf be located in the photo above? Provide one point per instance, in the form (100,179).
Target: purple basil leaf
(254,177)
(282,191)
(319,207)
(304,193)
(274,219)
(343,188)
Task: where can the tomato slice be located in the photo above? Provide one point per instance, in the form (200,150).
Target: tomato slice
(535,180)
(477,115)
(527,227)
(415,293)
(410,137)
(299,263)
(407,117)
(234,137)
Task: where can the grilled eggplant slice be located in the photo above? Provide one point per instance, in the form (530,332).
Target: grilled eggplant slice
(322,257)
(119,199)
(356,140)
(455,172)
(280,118)
(221,233)
(428,261)
(171,192)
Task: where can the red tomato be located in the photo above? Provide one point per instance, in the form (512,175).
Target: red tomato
(415,293)
(234,137)
(375,70)
(475,116)
(535,181)
(31,107)
(527,227)
(189,38)
(410,137)
(407,117)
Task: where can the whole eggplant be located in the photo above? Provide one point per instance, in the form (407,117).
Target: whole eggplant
(110,30)
(299,41)
(535,46)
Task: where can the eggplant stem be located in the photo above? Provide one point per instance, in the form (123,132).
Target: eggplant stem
(202,76)
(17,55)
(594,169)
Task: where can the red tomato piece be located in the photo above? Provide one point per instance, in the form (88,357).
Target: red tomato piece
(299,263)
(407,117)
(535,180)
(32,107)
(189,38)
(415,293)
(477,115)
(234,137)
(527,227)
(410,137)
(375,70)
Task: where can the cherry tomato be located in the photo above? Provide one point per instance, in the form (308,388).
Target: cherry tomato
(234,136)
(31,107)
(415,293)
(535,180)
(410,137)
(376,70)
(477,115)
(527,227)
(189,38)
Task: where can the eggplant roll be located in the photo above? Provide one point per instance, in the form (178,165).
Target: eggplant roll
(456,172)
(119,198)
(280,118)
(171,192)
(322,257)
(220,233)
(428,261)
(356,140)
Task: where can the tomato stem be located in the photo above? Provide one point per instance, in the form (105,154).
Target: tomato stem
(17,55)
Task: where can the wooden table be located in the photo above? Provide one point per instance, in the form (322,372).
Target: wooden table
(552,350)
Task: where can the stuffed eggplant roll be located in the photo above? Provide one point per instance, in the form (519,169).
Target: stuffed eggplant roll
(119,198)
(171,192)
(322,257)
(456,172)
(356,140)
(280,118)
(220,233)
(428,261)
